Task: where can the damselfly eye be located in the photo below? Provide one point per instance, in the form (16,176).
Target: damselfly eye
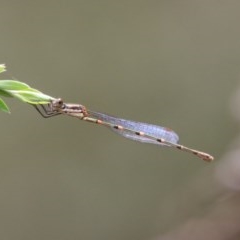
(60,101)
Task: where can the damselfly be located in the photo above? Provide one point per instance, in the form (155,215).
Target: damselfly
(138,131)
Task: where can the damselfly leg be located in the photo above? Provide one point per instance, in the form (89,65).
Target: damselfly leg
(46,111)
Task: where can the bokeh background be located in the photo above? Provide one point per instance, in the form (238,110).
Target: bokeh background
(171,63)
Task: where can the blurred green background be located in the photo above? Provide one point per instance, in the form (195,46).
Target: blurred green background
(171,63)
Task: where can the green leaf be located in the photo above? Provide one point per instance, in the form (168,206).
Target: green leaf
(2,68)
(13,85)
(21,91)
(31,97)
(3,106)
(24,92)
(5,94)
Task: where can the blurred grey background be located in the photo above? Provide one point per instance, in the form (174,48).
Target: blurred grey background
(171,63)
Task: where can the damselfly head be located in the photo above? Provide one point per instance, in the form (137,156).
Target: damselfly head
(57,104)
